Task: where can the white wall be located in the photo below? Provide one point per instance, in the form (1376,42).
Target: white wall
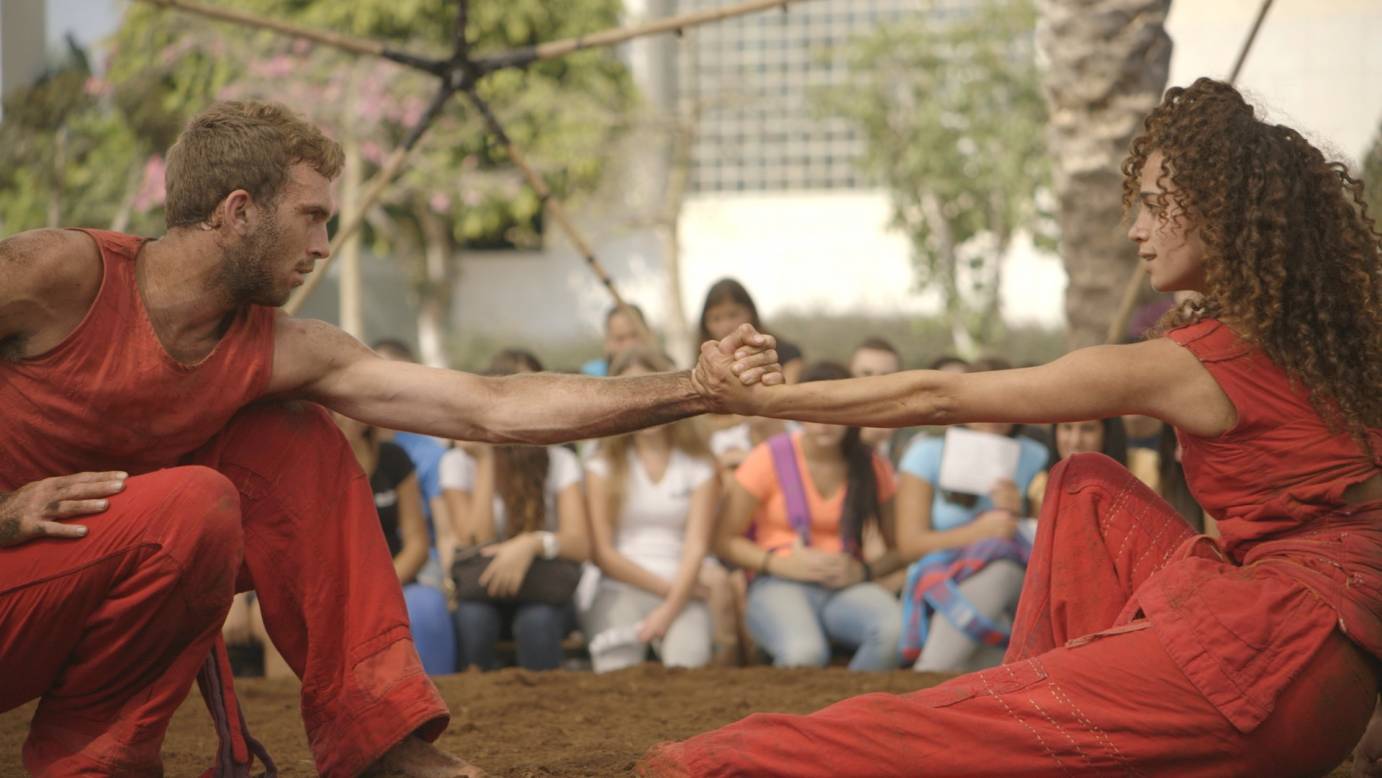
(1316,65)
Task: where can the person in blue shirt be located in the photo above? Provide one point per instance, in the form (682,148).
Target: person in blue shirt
(428,611)
(621,334)
(968,556)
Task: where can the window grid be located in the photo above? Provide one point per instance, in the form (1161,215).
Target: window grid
(754,77)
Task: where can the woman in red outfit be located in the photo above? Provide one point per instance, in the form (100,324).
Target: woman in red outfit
(1139,647)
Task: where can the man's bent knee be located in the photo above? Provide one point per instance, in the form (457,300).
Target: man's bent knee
(207,541)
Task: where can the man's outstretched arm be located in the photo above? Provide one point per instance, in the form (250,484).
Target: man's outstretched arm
(315,361)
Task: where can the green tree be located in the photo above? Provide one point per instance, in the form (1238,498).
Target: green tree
(56,150)
(951,110)
(458,188)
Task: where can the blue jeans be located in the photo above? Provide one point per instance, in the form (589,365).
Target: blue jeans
(537,628)
(434,634)
(796,623)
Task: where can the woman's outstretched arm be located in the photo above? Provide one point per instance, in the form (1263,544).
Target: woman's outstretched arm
(1155,378)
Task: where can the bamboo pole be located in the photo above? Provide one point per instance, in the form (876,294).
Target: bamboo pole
(1249,41)
(354,221)
(557,212)
(459,73)
(1119,324)
(551,50)
(324,37)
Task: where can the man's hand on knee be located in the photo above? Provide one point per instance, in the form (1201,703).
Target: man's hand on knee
(36,510)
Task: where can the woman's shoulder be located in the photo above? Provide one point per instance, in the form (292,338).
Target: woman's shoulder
(1210,339)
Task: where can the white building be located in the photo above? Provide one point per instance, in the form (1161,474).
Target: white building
(776,201)
(777,204)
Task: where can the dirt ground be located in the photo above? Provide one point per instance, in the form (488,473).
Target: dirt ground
(515,723)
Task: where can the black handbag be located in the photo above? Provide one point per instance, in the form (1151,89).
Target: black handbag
(549,581)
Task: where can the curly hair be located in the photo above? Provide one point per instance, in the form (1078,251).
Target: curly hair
(1291,254)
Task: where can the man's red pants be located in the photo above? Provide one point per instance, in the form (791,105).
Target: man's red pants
(111,629)
(1076,695)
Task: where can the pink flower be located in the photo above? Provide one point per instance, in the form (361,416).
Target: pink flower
(152,191)
(412,112)
(439,202)
(278,66)
(372,151)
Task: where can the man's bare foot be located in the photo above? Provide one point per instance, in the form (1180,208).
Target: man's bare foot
(416,758)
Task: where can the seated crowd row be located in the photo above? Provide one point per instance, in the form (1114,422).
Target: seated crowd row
(719,540)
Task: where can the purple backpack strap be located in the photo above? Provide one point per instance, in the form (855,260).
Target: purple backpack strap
(793,490)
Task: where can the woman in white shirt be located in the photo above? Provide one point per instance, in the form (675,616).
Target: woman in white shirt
(529,500)
(653,496)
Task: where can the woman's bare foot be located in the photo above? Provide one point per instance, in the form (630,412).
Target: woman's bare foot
(416,758)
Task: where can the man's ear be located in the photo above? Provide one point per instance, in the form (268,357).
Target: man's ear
(235,213)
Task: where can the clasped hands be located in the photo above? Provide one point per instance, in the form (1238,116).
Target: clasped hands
(732,372)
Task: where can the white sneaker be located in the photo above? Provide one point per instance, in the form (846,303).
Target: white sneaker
(613,638)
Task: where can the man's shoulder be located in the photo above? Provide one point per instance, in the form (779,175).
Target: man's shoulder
(50,278)
(42,253)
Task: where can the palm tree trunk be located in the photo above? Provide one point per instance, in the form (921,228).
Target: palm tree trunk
(1108,62)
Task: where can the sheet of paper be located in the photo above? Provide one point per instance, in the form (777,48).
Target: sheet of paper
(974,461)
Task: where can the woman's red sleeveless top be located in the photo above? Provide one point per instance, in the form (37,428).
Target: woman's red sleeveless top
(1280,467)
(1244,616)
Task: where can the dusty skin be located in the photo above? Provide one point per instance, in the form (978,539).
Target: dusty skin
(515,723)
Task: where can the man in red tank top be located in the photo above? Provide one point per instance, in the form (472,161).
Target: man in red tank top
(164,446)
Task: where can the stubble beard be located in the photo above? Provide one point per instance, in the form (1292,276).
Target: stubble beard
(247,272)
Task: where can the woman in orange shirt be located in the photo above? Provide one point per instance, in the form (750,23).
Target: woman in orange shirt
(811,587)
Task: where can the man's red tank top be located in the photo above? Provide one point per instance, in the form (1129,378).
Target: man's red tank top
(1242,616)
(109,397)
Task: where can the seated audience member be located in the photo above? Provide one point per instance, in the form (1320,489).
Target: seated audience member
(621,334)
(795,517)
(876,356)
(426,453)
(399,502)
(728,305)
(653,495)
(963,587)
(247,641)
(1105,436)
(949,363)
(514,505)
(1172,486)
